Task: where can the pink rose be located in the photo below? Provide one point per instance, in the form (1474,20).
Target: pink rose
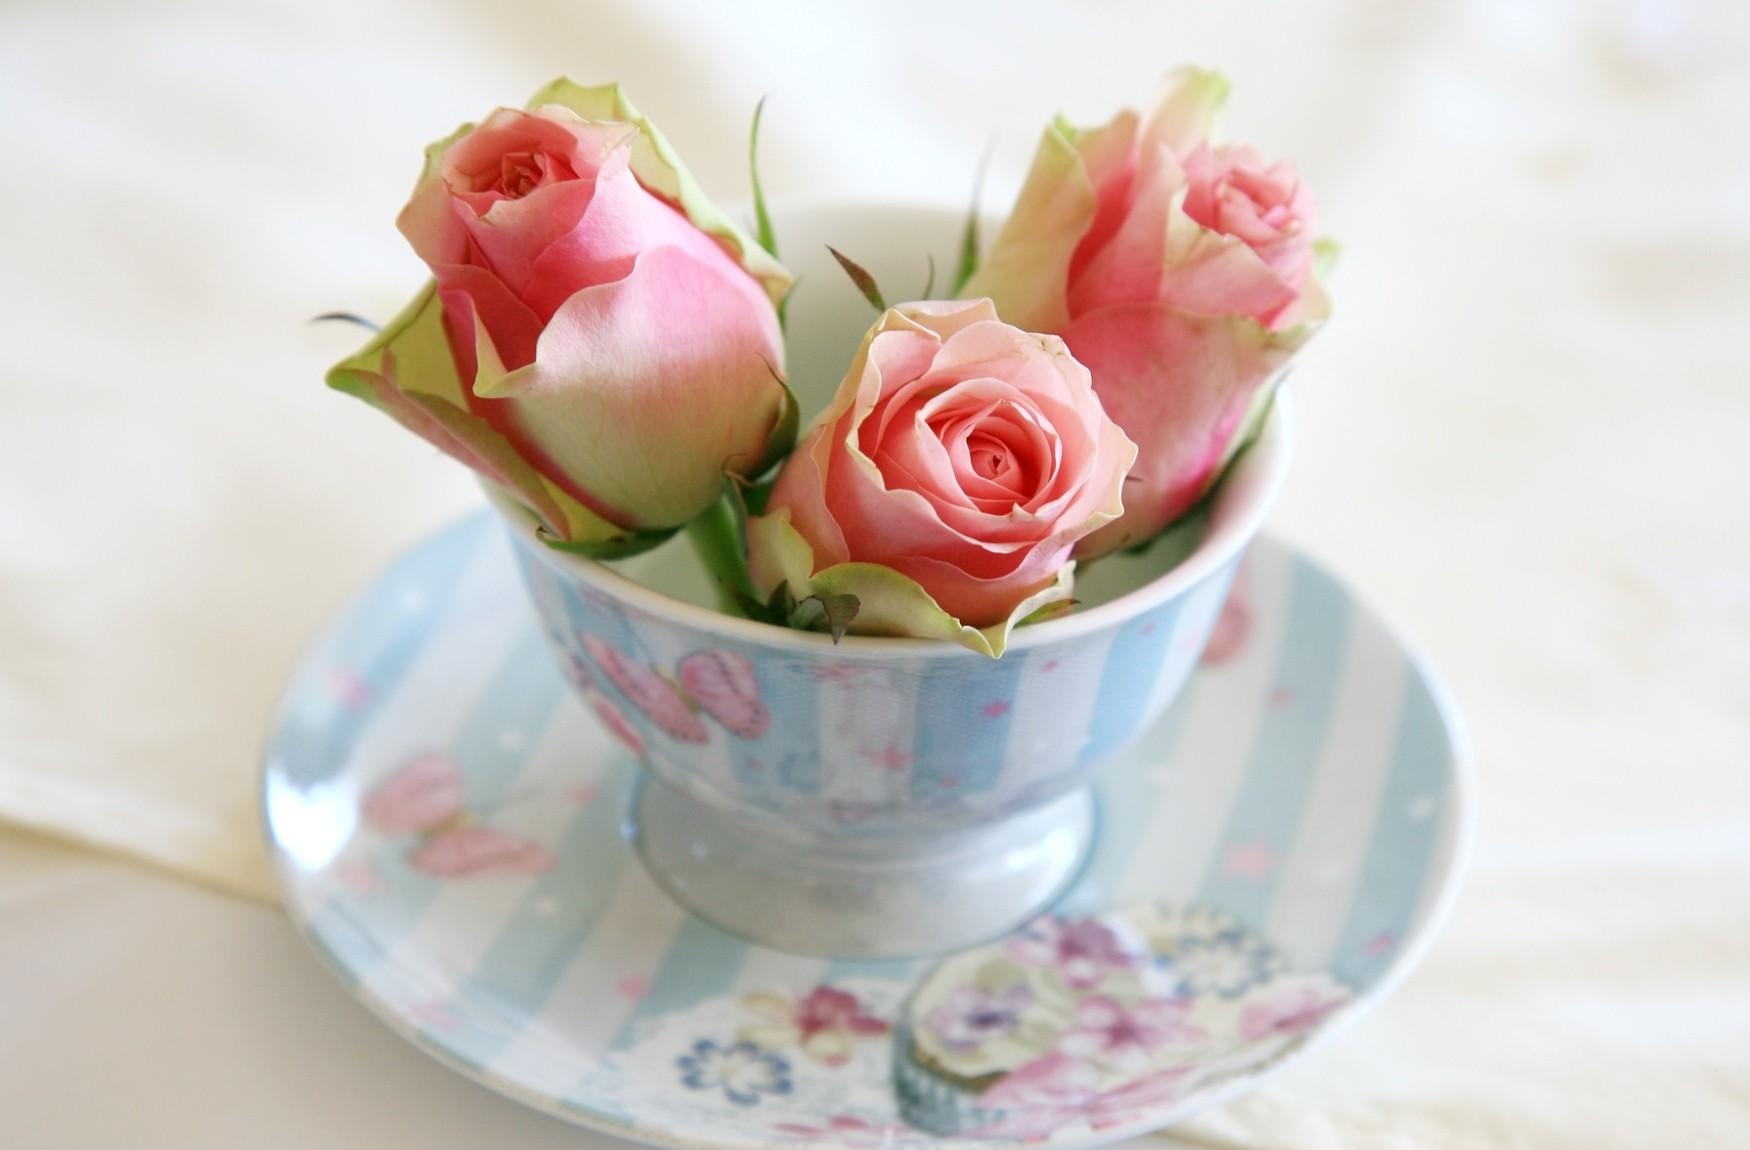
(610,341)
(1254,255)
(1180,272)
(945,487)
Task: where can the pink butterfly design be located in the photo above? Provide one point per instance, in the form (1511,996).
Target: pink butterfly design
(424,798)
(616,722)
(722,684)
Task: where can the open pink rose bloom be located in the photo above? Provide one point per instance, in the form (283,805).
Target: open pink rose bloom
(945,487)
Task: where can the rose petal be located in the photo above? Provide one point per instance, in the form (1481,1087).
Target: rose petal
(621,220)
(1109,153)
(514,332)
(659,168)
(1179,384)
(889,603)
(897,346)
(613,407)
(409,372)
(1130,267)
(1026,271)
(1185,114)
(511,233)
(429,221)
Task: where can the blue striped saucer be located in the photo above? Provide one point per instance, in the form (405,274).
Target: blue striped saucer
(447,822)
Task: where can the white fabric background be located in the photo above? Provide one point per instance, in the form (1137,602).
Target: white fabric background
(1523,434)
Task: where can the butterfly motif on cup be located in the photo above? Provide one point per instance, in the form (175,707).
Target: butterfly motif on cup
(425,798)
(721,684)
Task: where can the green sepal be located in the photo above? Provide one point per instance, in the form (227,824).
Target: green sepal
(968,264)
(782,441)
(832,614)
(861,277)
(1053,610)
(767,237)
(763,230)
(888,602)
(619,547)
(347,317)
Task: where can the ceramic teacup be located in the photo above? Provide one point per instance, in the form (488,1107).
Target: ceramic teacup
(878,796)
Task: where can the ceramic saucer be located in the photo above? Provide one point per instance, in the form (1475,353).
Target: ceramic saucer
(447,821)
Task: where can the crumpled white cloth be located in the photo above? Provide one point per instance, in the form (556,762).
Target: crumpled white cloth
(1523,432)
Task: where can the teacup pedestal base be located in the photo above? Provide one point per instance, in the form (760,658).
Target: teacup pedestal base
(860,894)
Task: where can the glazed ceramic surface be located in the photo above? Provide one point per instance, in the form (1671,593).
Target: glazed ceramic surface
(448,816)
(880,797)
(869,737)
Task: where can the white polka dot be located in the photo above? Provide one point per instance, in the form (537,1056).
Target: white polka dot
(1420,808)
(512,740)
(546,906)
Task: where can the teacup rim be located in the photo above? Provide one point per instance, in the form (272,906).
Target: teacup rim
(1238,509)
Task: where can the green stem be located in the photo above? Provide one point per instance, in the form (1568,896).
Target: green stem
(716,538)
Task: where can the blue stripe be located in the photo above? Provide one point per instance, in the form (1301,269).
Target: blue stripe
(1382,910)
(1285,748)
(606,624)
(790,693)
(521,695)
(532,950)
(1126,794)
(1127,797)
(701,962)
(1133,664)
(961,727)
(375,640)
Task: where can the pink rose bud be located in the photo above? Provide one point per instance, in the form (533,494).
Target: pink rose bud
(1181,272)
(599,340)
(948,482)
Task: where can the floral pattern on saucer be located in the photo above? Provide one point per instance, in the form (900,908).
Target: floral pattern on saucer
(741,1071)
(759,1061)
(1096,1021)
(1069,1024)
